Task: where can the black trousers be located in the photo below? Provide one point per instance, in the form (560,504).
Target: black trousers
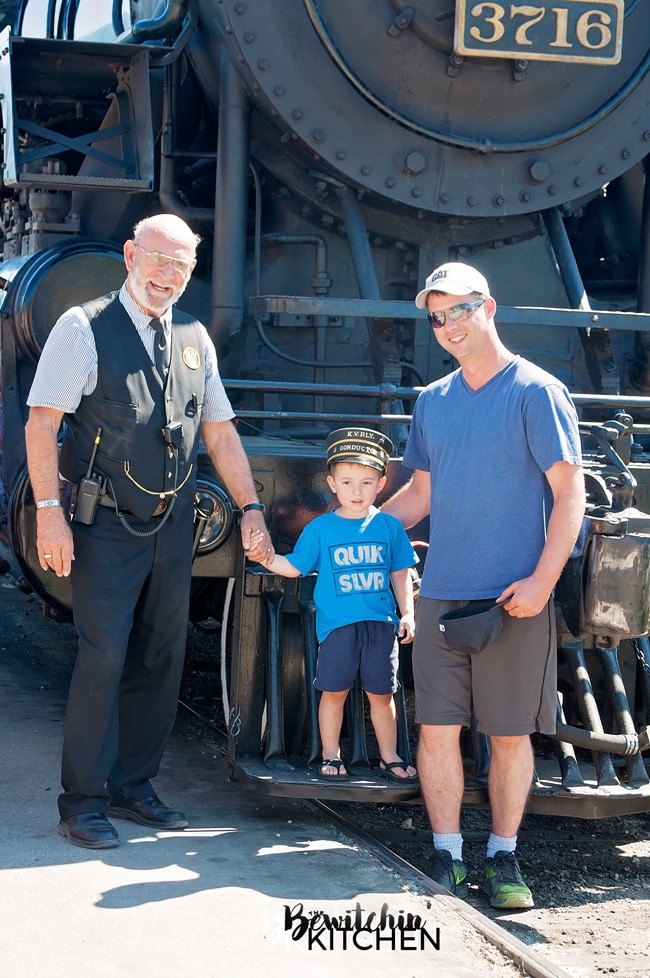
(130,605)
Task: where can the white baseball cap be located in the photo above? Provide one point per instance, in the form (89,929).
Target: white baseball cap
(454,278)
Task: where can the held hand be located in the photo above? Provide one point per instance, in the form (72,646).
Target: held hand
(525,598)
(255,537)
(54,541)
(406,629)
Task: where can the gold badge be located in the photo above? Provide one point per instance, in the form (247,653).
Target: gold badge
(191,358)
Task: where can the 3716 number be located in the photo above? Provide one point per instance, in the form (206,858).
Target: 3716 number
(562,31)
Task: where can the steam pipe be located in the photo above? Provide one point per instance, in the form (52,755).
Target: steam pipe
(168,193)
(567,264)
(364,266)
(164,25)
(230,204)
(640,370)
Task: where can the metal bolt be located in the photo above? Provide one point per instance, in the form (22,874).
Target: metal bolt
(552,190)
(263,64)
(602,168)
(297,114)
(249,37)
(539,171)
(594,318)
(524,196)
(366,170)
(390,181)
(280,91)
(341,154)
(318,135)
(472,201)
(626,154)
(414,162)
(416,192)
(444,198)
(498,200)
(578,181)
(646,136)
(240,8)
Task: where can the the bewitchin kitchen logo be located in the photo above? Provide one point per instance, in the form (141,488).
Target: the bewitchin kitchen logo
(358,928)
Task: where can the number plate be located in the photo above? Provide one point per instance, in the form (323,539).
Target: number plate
(590,31)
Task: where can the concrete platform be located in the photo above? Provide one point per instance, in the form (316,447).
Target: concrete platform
(231,894)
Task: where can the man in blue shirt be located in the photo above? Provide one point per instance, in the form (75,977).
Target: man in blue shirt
(497,467)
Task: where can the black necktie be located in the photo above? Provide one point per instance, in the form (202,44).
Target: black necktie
(161,349)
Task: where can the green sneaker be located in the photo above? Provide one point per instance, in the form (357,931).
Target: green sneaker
(448,872)
(504,884)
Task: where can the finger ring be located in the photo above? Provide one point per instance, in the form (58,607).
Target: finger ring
(47,556)
(522,616)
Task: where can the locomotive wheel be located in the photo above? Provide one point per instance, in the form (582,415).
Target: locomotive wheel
(293,674)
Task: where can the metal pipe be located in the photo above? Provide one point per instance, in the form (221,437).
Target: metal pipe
(230,208)
(168,193)
(274,749)
(575,657)
(364,266)
(308,617)
(640,369)
(164,25)
(615,688)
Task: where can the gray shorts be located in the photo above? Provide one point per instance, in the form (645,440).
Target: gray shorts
(510,687)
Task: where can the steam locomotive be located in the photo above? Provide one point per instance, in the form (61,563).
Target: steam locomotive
(330,155)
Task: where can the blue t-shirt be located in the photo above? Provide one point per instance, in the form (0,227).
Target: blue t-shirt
(354,560)
(487,452)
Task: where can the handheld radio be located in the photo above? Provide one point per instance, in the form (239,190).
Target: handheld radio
(90,489)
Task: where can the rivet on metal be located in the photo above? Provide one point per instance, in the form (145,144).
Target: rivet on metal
(524,196)
(249,37)
(263,64)
(602,168)
(552,190)
(626,153)
(280,91)
(444,198)
(472,201)
(390,181)
(318,135)
(297,114)
(366,170)
(578,181)
(341,154)
(240,8)
(498,200)
(416,192)
(646,136)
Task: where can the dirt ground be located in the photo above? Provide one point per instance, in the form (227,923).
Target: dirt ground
(590,880)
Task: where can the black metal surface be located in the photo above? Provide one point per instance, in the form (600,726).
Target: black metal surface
(552,132)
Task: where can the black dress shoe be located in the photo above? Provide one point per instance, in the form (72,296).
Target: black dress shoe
(147,811)
(90,830)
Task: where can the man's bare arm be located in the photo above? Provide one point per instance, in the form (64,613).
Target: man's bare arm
(412,502)
(226,451)
(53,534)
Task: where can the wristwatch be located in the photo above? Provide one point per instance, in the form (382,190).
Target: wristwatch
(240,512)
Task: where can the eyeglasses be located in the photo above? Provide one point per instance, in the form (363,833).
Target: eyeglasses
(159,260)
(457,314)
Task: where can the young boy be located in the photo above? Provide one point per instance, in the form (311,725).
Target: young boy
(358,552)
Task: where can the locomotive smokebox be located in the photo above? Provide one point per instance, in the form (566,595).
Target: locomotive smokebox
(378,95)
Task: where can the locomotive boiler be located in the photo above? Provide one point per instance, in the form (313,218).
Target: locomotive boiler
(330,155)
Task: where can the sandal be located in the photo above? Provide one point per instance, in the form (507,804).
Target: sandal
(388,772)
(338,764)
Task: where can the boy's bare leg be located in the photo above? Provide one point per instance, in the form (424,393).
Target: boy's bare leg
(384,722)
(330,721)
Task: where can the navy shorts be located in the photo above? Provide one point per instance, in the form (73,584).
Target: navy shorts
(365,648)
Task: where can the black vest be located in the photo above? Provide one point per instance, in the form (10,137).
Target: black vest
(132,405)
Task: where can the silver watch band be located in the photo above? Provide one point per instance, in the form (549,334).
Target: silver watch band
(46,503)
